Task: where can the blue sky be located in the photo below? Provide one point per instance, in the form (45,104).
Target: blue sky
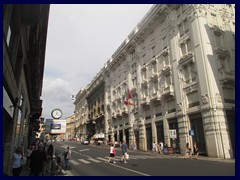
(80,39)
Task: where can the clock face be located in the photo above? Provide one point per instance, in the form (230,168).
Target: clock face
(56,113)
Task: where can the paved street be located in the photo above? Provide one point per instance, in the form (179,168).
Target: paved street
(89,160)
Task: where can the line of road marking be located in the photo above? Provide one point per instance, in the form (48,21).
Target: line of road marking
(73,162)
(94,160)
(68,173)
(103,159)
(137,172)
(84,161)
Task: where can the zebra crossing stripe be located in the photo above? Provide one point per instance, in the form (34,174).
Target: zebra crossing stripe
(133,157)
(103,159)
(74,162)
(116,157)
(139,157)
(84,161)
(94,160)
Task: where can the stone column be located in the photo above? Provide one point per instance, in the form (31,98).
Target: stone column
(218,143)
(142,135)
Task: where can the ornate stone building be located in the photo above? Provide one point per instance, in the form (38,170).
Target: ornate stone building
(179,64)
(70,127)
(24,43)
(81,114)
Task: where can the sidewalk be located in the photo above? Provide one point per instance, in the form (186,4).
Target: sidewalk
(57,171)
(181,156)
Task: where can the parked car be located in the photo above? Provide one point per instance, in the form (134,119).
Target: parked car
(85,142)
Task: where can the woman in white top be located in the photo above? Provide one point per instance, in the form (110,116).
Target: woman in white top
(16,162)
(112,154)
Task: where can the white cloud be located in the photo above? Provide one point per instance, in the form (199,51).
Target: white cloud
(80,40)
(57,94)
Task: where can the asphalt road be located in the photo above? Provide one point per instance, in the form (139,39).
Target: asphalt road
(88,160)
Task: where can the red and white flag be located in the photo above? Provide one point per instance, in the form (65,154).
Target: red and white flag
(128,98)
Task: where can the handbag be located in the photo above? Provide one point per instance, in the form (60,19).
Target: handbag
(114,152)
(23,161)
(127,155)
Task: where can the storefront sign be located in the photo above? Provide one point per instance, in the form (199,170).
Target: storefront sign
(55,126)
(191,132)
(173,133)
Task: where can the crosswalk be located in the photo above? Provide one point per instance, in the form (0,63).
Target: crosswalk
(105,159)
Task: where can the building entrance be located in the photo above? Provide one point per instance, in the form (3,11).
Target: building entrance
(231,127)
(160,132)
(149,136)
(198,137)
(174,142)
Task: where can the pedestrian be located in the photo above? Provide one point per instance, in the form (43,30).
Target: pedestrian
(67,156)
(37,159)
(28,154)
(188,151)
(195,150)
(161,147)
(124,152)
(49,157)
(158,148)
(112,154)
(16,162)
(154,147)
(174,145)
(134,146)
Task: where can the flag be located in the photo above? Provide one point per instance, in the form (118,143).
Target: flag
(128,98)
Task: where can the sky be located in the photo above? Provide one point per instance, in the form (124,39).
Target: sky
(80,40)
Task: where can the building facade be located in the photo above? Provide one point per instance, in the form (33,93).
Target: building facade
(70,127)
(179,65)
(24,43)
(81,114)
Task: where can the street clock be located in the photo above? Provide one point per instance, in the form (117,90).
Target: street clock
(56,113)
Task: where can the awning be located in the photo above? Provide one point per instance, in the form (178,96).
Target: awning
(99,136)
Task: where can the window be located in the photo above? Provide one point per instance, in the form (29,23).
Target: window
(164,41)
(155,87)
(186,25)
(186,47)
(154,68)
(153,51)
(8,35)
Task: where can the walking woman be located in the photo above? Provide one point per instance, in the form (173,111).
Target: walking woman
(112,154)
(16,162)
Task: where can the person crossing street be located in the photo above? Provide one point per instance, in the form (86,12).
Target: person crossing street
(124,152)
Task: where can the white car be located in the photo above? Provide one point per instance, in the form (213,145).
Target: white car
(85,142)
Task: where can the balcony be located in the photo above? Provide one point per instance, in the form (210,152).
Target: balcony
(144,84)
(186,59)
(119,113)
(108,106)
(168,91)
(145,101)
(166,70)
(165,52)
(227,78)
(134,90)
(153,61)
(144,68)
(156,97)
(154,78)
(114,115)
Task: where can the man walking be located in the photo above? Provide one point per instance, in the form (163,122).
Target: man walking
(67,156)
(124,151)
